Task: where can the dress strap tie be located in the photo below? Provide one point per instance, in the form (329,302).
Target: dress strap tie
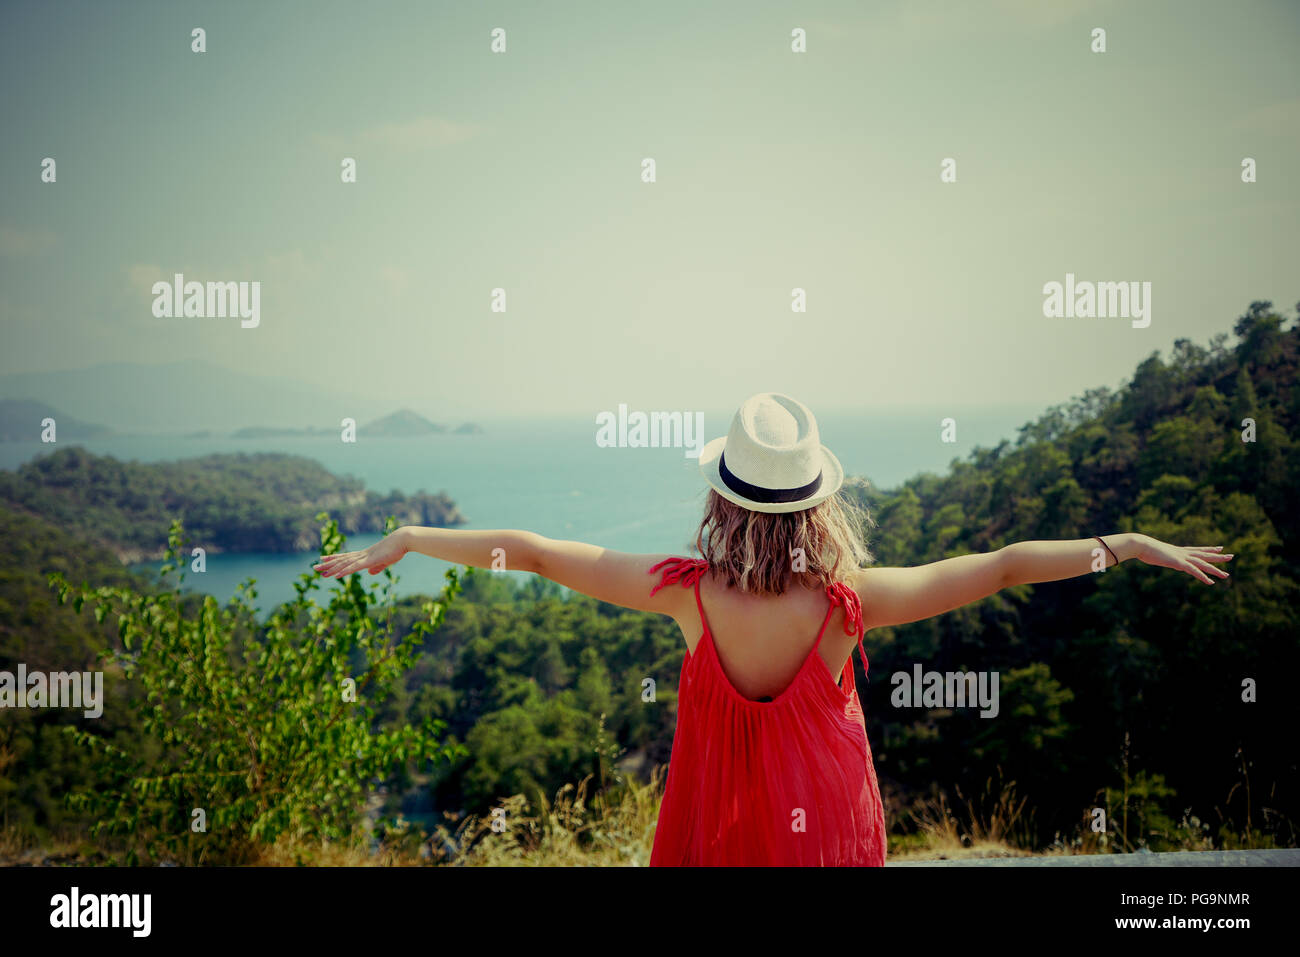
(841,594)
(684,571)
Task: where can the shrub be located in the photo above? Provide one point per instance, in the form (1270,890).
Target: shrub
(255,732)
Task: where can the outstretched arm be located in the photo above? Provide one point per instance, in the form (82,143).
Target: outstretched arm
(620,578)
(895,596)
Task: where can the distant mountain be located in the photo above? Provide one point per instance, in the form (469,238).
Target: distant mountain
(20,421)
(398,425)
(401,423)
(187,396)
(407,423)
(270,432)
(193,397)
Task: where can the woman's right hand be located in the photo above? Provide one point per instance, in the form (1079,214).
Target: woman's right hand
(388,550)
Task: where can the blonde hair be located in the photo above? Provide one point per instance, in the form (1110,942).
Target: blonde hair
(756,551)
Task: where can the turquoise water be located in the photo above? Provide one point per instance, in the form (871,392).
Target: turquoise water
(549,477)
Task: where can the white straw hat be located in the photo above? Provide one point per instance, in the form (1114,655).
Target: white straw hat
(772,460)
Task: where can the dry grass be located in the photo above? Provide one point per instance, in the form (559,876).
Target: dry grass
(570,831)
(996,825)
(20,850)
(616,830)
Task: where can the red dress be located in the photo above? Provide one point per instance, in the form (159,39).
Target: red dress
(785,782)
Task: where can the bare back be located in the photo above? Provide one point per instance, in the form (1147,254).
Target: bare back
(763,641)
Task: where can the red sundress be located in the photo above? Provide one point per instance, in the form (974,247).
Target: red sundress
(785,782)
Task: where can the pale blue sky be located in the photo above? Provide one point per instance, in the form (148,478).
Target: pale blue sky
(522,170)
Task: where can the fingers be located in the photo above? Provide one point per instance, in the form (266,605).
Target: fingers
(1206,566)
(331,566)
(1198,568)
(373,559)
(336,566)
(1209,553)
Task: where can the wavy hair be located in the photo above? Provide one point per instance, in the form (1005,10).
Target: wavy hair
(757,551)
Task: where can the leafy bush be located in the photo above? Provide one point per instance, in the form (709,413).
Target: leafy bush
(254,731)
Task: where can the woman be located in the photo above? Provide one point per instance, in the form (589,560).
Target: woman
(770,761)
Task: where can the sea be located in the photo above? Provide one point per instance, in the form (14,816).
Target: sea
(545,475)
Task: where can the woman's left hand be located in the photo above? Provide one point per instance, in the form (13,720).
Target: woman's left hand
(1196,560)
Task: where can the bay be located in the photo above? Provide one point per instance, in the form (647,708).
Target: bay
(547,476)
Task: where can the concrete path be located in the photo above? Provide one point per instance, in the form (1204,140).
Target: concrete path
(1288,857)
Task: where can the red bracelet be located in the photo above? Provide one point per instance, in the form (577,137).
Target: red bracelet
(1107,547)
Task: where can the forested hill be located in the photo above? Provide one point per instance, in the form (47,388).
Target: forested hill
(228,502)
(1174,441)
(1139,669)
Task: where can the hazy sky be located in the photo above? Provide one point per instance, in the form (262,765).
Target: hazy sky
(522,170)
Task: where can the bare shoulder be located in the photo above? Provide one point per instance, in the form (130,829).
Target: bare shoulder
(860,580)
(875,587)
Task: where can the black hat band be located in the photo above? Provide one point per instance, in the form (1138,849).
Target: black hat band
(756,493)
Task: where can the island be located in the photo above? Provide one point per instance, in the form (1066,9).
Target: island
(229,502)
(403,423)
